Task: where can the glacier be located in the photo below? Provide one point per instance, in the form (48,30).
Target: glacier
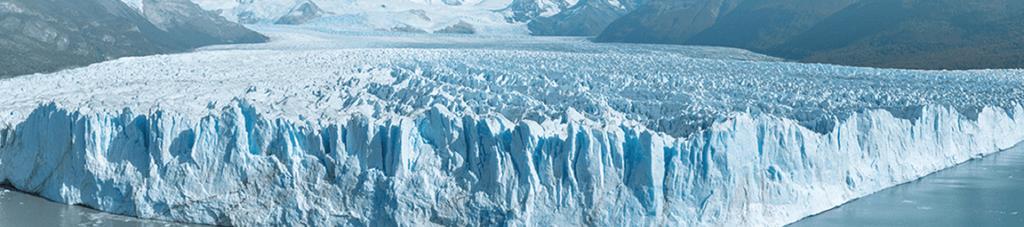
(502,17)
(481,16)
(324,129)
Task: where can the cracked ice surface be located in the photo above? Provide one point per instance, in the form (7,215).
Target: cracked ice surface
(321,129)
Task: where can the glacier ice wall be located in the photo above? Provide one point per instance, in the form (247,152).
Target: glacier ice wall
(238,167)
(320,131)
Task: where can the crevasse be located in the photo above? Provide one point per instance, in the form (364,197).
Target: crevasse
(238,167)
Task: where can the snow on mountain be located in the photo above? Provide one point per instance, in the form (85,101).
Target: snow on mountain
(134,4)
(525,10)
(587,18)
(398,15)
(483,16)
(463,131)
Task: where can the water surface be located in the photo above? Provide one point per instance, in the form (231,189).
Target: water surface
(983,192)
(20,209)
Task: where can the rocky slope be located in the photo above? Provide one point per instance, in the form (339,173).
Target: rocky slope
(926,34)
(944,34)
(586,18)
(47,35)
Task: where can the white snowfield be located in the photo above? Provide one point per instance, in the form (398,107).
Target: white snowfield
(483,16)
(313,129)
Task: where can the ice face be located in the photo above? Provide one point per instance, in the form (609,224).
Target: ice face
(472,133)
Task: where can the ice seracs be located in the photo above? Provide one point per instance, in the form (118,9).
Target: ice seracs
(456,130)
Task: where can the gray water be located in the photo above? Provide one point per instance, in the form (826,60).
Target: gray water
(983,192)
(20,209)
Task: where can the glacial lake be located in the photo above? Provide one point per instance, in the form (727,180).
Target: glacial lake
(982,192)
(20,209)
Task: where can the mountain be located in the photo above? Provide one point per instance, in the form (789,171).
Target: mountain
(920,34)
(466,16)
(749,24)
(761,24)
(667,21)
(302,13)
(585,18)
(537,17)
(925,34)
(745,24)
(193,26)
(48,35)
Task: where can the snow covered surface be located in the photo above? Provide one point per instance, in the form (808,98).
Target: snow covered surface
(485,16)
(490,17)
(332,128)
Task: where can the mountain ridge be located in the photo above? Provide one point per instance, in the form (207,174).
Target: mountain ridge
(48,35)
(534,17)
(915,34)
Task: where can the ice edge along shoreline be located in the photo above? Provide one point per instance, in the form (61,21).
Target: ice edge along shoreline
(240,168)
(1019,146)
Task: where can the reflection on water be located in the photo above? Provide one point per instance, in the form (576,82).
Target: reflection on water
(984,192)
(20,209)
